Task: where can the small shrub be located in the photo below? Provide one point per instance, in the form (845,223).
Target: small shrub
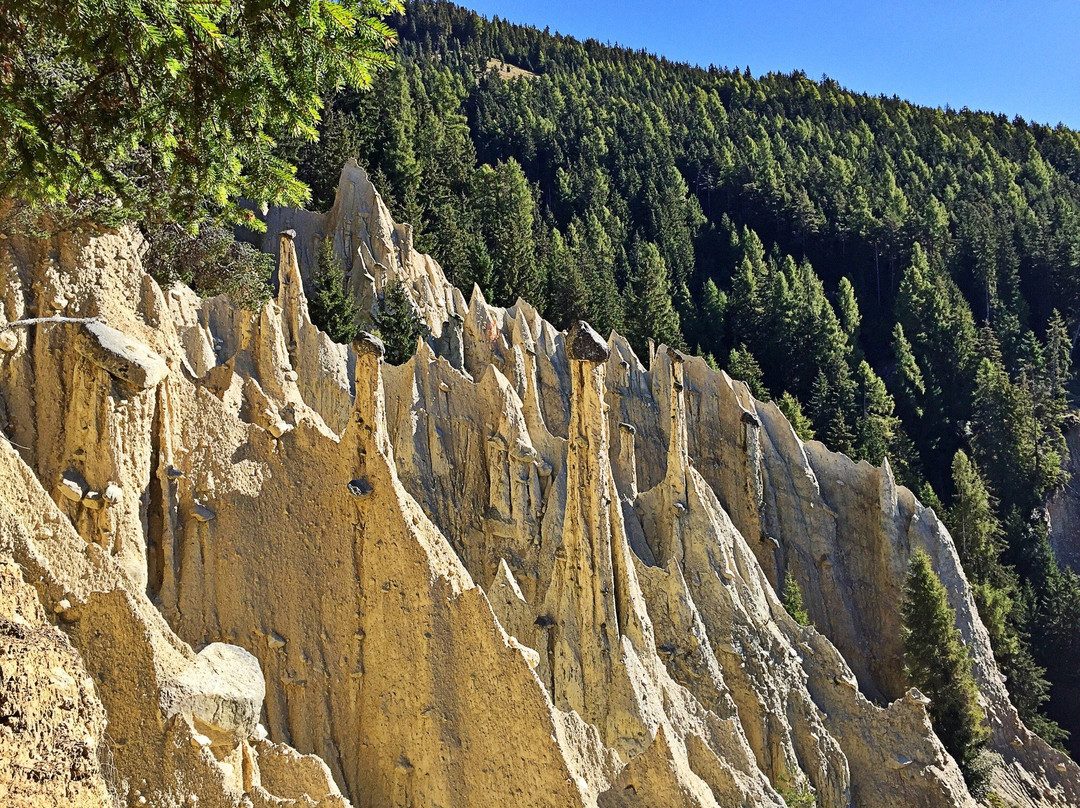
(797,796)
(791,597)
(211,261)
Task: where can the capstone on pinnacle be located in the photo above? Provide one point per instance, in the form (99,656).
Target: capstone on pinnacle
(367,344)
(585,345)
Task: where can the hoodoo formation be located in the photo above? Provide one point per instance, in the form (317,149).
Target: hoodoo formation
(242,565)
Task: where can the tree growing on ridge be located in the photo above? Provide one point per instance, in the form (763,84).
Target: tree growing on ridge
(332,307)
(789,405)
(505,212)
(938,664)
(743,366)
(978,535)
(400,325)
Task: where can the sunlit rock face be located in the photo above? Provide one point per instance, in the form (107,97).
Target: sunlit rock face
(524,568)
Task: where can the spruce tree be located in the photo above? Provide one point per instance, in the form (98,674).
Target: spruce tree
(831,401)
(399,323)
(971,520)
(505,213)
(745,307)
(978,535)
(908,375)
(938,664)
(595,252)
(847,307)
(876,428)
(567,295)
(1058,356)
(928,497)
(319,163)
(649,298)
(170,111)
(331,307)
(712,316)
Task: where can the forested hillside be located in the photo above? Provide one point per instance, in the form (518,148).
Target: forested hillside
(903,281)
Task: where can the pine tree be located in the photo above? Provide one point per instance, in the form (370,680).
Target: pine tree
(831,401)
(397,119)
(712,315)
(689,321)
(1018,440)
(938,664)
(928,497)
(909,377)
(567,295)
(978,535)
(506,212)
(745,306)
(400,325)
(320,162)
(593,253)
(171,111)
(1058,356)
(212,262)
(876,428)
(332,307)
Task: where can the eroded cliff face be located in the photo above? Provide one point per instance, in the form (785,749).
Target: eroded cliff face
(522,569)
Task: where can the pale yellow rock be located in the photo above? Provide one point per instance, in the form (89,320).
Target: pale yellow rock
(54,725)
(507,573)
(122,356)
(121,668)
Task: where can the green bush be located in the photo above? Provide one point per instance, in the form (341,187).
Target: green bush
(791,597)
(797,796)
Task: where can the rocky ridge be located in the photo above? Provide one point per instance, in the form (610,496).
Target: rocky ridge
(525,567)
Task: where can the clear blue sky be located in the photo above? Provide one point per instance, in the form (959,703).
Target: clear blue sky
(1019,57)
